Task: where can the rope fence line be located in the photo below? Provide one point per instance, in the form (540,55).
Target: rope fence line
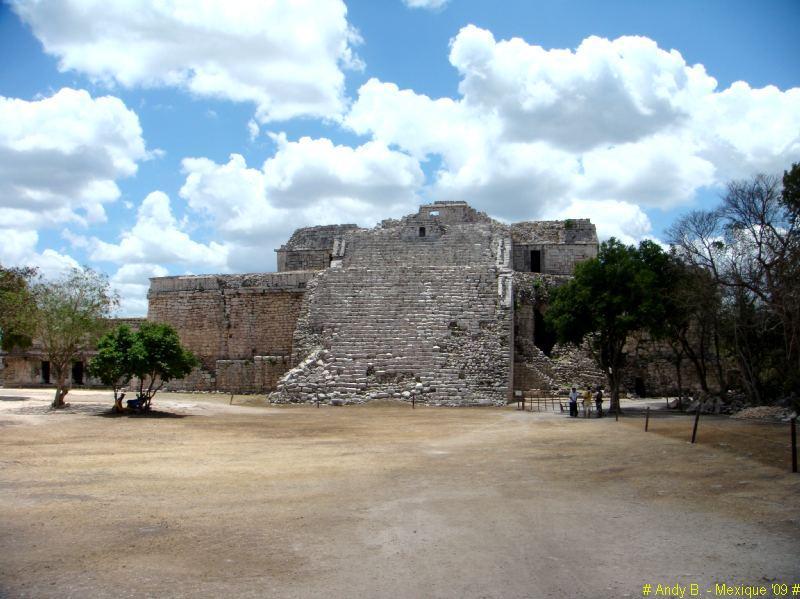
(647,414)
(792,432)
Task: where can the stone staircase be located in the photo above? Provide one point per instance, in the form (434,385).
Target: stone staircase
(437,334)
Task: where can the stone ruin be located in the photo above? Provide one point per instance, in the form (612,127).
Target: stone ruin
(444,306)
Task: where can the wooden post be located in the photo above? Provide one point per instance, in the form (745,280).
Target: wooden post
(230,403)
(647,418)
(413,400)
(793,431)
(696,420)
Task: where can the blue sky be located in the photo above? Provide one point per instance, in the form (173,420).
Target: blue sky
(146,140)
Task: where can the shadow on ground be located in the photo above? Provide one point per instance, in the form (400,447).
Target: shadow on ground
(140,414)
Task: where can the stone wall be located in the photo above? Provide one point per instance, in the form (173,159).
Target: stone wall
(24,367)
(311,248)
(233,324)
(303,260)
(424,240)
(556,259)
(561,245)
(262,373)
(440,333)
(416,307)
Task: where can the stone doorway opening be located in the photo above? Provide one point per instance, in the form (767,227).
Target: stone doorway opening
(536,261)
(77,373)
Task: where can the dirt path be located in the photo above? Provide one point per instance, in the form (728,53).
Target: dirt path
(374,501)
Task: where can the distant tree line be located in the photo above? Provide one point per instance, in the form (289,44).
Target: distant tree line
(725,298)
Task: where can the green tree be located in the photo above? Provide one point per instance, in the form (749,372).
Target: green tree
(71,314)
(609,298)
(16,307)
(112,364)
(157,357)
(791,191)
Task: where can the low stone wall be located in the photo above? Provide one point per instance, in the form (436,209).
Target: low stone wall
(231,322)
(262,373)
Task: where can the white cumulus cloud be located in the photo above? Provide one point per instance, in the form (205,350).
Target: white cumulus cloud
(18,248)
(285,57)
(623,220)
(307,182)
(158,238)
(618,124)
(426,4)
(132,282)
(60,157)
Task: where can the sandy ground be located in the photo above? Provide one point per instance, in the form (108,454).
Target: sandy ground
(383,501)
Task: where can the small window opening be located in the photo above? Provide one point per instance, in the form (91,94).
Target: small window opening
(77,373)
(433,213)
(422,231)
(536,261)
(46,372)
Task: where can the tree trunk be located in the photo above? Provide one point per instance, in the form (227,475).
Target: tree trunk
(613,384)
(61,393)
(118,397)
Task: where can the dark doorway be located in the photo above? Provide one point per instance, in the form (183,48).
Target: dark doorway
(46,373)
(77,373)
(536,261)
(422,231)
(543,337)
(638,387)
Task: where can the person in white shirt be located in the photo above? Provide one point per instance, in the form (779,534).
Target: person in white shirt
(573,402)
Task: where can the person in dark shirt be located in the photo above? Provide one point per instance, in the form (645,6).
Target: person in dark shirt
(598,401)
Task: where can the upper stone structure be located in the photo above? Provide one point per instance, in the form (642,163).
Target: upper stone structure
(553,246)
(311,248)
(442,233)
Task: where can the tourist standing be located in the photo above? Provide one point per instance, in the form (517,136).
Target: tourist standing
(587,402)
(598,401)
(573,402)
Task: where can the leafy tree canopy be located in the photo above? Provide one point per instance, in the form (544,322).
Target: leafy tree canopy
(610,297)
(112,364)
(157,357)
(16,307)
(71,313)
(153,355)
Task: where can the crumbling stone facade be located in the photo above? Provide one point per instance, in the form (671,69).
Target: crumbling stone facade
(424,307)
(29,367)
(311,248)
(239,326)
(444,306)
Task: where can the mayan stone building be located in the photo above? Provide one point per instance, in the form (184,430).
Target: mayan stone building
(444,305)
(29,367)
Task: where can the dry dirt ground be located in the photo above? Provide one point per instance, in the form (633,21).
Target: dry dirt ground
(382,501)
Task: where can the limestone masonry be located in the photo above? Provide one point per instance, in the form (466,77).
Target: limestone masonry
(444,306)
(427,306)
